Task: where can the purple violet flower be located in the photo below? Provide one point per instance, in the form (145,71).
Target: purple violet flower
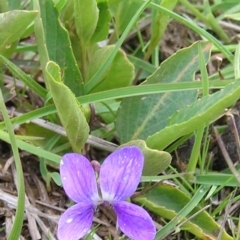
(119,177)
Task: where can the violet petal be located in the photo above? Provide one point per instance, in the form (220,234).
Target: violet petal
(134,221)
(120,173)
(78,178)
(75,222)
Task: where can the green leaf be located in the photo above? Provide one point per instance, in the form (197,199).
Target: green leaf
(195,28)
(235,16)
(116,94)
(168,201)
(68,109)
(56,178)
(216,179)
(45,137)
(3,6)
(102,28)
(119,74)
(96,79)
(113,2)
(59,4)
(149,113)
(14,4)
(13,25)
(237,62)
(54,44)
(18,221)
(225,7)
(155,161)
(159,24)
(86,18)
(44,172)
(140,63)
(123,13)
(190,118)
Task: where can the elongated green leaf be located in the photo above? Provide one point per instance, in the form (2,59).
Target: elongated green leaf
(18,221)
(119,74)
(54,44)
(53,158)
(44,135)
(123,12)
(237,62)
(217,179)
(86,18)
(68,109)
(197,29)
(235,16)
(149,113)
(102,28)
(13,25)
(14,4)
(118,93)
(167,202)
(96,79)
(159,24)
(139,63)
(113,2)
(56,177)
(60,4)
(207,18)
(3,6)
(155,162)
(197,114)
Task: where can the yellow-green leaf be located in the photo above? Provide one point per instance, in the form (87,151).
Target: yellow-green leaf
(155,161)
(68,108)
(13,25)
(86,18)
(167,201)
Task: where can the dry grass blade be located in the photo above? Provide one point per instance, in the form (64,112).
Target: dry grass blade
(226,155)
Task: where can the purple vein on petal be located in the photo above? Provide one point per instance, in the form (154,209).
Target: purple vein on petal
(134,221)
(120,173)
(75,222)
(78,178)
